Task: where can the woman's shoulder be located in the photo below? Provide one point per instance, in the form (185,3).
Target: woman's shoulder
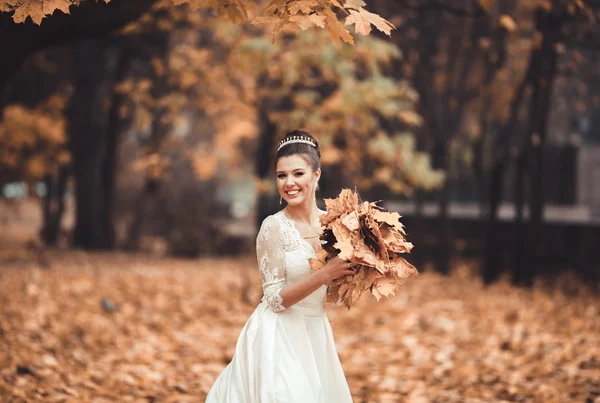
(271,220)
(270,229)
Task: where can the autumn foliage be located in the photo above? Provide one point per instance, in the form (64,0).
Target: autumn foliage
(33,140)
(279,14)
(114,327)
(363,234)
(343,92)
(244,78)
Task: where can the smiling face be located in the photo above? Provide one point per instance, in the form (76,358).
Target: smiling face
(296,181)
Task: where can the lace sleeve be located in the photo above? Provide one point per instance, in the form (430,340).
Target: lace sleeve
(269,252)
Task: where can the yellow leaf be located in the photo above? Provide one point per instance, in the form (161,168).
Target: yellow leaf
(336,29)
(351,221)
(315,264)
(7,5)
(391,218)
(235,12)
(508,23)
(265,20)
(356,4)
(402,268)
(51,5)
(318,20)
(362,20)
(308,21)
(29,8)
(411,118)
(303,6)
(197,4)
(345,247)
(384,287)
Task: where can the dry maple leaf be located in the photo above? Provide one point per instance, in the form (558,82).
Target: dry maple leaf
(362,20)
(29,8)
(372,239)
(36,9)
(336,29)
(308,21)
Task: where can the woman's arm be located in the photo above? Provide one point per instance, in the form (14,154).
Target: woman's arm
(270,256)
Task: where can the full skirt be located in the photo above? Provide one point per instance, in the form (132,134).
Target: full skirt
(285,357)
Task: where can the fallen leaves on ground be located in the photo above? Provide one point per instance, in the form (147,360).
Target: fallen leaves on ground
(117,327)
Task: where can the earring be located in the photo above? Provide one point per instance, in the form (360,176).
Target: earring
(280,199)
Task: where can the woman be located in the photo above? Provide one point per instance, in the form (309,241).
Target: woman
(286,352)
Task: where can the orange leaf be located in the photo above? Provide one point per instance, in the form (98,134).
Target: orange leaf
(391,218)
(29,8)
(336,29)
(384,288)
(362,20)
(62,5)
(351,221)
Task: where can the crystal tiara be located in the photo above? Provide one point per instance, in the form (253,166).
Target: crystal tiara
(296,139)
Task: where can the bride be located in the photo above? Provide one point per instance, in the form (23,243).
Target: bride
(286,352)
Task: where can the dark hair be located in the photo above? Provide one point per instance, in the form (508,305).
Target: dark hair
(313,153)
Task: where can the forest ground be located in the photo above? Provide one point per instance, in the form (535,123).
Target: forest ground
(100,327)
(76,326)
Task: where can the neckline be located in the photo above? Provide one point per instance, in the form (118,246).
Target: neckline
(295,229)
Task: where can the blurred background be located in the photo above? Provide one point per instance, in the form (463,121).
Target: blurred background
(477,120)
(144,130)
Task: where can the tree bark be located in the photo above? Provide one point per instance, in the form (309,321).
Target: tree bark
(491,259)
(159,48)
(54,206)
(444,238)
(93,147)
(548,23)
(267,202)
(134,233)
(418,235)
(519,260)
(501,157)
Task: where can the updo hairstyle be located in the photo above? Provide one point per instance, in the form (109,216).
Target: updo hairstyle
(310,153)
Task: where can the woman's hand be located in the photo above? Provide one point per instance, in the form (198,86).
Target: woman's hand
(336,268)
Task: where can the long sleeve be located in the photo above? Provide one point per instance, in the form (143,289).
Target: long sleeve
(270,254)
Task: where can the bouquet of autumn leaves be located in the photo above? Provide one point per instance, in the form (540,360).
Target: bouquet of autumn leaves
(373,239)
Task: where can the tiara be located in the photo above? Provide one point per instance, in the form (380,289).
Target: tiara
(296,139)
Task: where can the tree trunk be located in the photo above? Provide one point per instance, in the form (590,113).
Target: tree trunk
(418,235)
(267,201)
(491,258)
(54,206)
(549,24)
(109,165)
(93,148)
(151,188)
(520,238)
(444,239)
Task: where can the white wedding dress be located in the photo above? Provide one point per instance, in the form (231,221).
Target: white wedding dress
(283,354)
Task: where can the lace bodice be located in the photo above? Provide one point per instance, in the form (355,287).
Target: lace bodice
(283,259)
